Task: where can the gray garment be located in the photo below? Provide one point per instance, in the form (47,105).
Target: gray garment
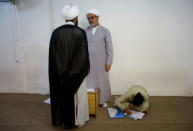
(100,53)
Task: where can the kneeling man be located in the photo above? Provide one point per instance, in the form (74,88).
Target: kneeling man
(135,98)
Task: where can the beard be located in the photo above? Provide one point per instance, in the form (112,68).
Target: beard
(92,24)
(76,24)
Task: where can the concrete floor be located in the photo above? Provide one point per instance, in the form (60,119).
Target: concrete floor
(27,112)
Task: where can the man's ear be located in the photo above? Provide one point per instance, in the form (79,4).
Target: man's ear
(75,19)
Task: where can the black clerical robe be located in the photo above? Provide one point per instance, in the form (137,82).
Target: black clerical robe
(68,66)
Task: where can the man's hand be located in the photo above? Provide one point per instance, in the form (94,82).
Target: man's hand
(131,106)
(107,67)
(146,112)
(126,110)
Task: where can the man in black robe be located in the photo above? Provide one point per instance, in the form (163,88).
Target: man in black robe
(68,66)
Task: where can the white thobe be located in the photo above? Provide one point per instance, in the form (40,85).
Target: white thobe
(81,105)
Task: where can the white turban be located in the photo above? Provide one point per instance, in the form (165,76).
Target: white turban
(93,11)
(70,11)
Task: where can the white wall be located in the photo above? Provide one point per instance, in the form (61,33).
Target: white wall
(152,42)
(12,72)
(35,22)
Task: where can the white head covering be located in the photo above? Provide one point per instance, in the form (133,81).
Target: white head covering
(93,11)
(70,11)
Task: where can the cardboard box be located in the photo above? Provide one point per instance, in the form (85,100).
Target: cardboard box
(93,98)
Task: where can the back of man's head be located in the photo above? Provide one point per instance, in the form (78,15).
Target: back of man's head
(70,11)
(138,99)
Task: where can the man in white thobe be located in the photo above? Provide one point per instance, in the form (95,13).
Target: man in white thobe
(100,56)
